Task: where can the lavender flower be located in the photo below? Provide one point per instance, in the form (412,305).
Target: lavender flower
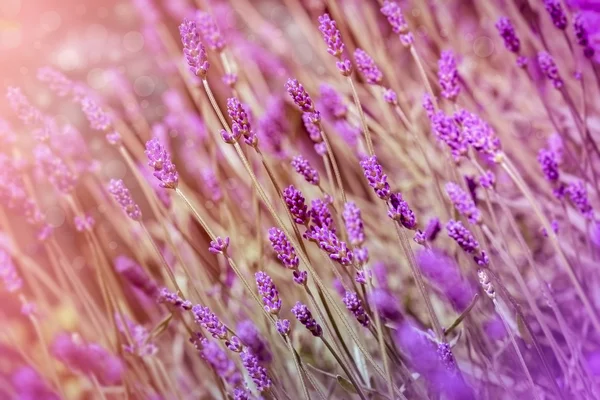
(354,305)
(283,326)
(273,125)
(549,162)
(448,75)
(54,168)
(241,394)
(219,245)
(284,249)
(303,314)
(210,31)
(218,359)
(399,210)
(269,293)
(488,179)
(299,95)
(335,45)
(29,385)
(463,203)
(96,116)
(160,160)
(329,242)
(209,321)
(559,18)
(549,68)
(194,51)
(134,274)
(296,204)
(478,133)
(387,305)
(121,194)
(22,107)
(447,132)
(251,337)
(354,224)
(241,121)
(332,102)
(142,345)
(462,236)
(391,10)
(257,373)
(578,195)
(367,67)
(8,273)
(580,27)
(57,82)
(313,129)
(320,215)
(375,176)
(303,167)
(507,31)
(165,296)
(390,97)
(432,229)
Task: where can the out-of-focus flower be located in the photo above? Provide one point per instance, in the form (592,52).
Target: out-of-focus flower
(448,75)
(117,188)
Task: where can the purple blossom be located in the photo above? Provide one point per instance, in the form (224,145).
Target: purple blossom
(367,67)
(210,31)
(463,203)
(296,204)
(84,223)
(273,125)
(391,10)
(8,273)
(390,97)
(428,106)
(55,169)
(299,95)
(165,296)
(549,162)
(122,196)
(399,210)
(354,305)
(462,236)
(447,131)
(354,224)
(255,370)
(578,195)
(329,242)
(209,321)
(218,359)
(559,18)
(387,305)
(448,75)
(268,292)
(478,133)
(241,121)
(284,249)
(331,35)
(56,81)
(375,176)
(303,314)
(88,358)
(251,337)
(160,160)
(549,68)
(22,107)
(135,275)
(283,326)
(313,128)
(332,102)
(29,385)
(507,31)
(442,270)
(241,394)
(488,179)
(96,116)
(300,277)
(320,215)
(580,27)
(303,167)
(432,229)
(194,51)
(142,345)
(219,245)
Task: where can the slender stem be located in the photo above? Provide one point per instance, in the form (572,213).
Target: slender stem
(363,120)
(346,371)
(462,315)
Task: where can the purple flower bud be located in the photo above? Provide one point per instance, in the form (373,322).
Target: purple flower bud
(284,249)
(507,31)
(478,133)
(375,176)
(209,321)
(386,304)
(578,195)
(448,75)
(299,95)
(354,305)
(219,245)
(56,81)
(269,293)
(165,296)
(135,275)
(559,18)
(463,203)
(296,204)
(96,116)
(462,236)
(141,343)
(22,107)
(250,337)
(257,373)
(549,162)
(549,68)
(194,51)
(354,224)
(160,160)
(320,215)
(399,210)
(300,277)
(329,242)
(580,27)
(121,194)
(313,129)
(273,125)
(55,169)
(488,179)
(218,359)
(331,36)
(391,10)
(8,273)
(367,67)
(303,314)
(84,223)
(303,167)
(210,31)
(241,394)
(234,344)
(428,106)
(447,131)
(241,121)
(332,102)
(283,326)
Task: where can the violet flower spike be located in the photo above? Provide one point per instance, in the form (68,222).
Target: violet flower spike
(375,176)
(219,245)
(269,293)
(559,18)
(284,249)
(391,10)
(97,117)
(296,204)
(399,210)
(549,68)
(210,31)
(257,373)
(283,326)
(354,224)
(463,202)
(332,102)
(194,51)
(329,242)
(299,95)
(209,321)
(303,167)
(121,194)
(548,160)
(462,236)
(354,305)
(218,359)
(507,32)
(304,316)
(160,160)
(165,296)
(331,35)
(578,195)
(367,67)
(448,75)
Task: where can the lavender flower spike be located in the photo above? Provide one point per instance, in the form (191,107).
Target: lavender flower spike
(210,31)
(367,67)
(549,68)
(117,188)
(303,167)
(354,305)
(329,242)
(399,210)
(8,273)
(194,51)
(209,321)
(448,75)
(160,160)
(579,197)
(303,314)
(283,326)
(257,373)
(284,249)
(299,95)
(165,296)
(559,18)
(219,245)
(462,236)
(96,116)
(354,224)
(375,176)
(269,293)
(391,10)
(463,202)
(296,204)
(507,31)
(331,35)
